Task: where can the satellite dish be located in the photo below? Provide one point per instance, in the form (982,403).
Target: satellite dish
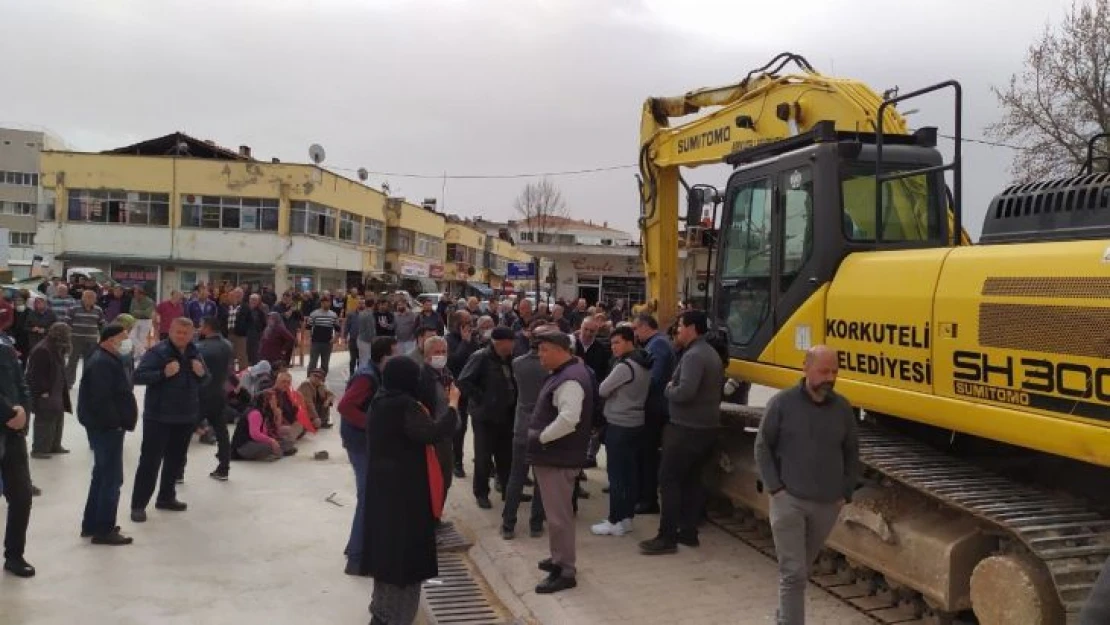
(363,174)
(316,153)
(385,188)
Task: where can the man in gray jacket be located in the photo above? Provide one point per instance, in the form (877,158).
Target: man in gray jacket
(530,376)
(694,401)
(807,451)
(625,392)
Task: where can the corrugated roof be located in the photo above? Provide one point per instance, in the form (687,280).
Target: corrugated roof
(179,144)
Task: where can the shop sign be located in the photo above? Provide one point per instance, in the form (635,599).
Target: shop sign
(412,269)
(143,276)
(583,264)
(435,271)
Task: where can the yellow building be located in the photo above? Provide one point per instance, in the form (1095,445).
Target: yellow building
(176,211)
(414,245)
(465,269)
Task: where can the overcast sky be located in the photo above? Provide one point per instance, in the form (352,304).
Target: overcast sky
(478,86)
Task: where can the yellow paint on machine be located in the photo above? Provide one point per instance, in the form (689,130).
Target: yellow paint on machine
(950,358)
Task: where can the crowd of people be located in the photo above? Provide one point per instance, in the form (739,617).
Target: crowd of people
(540,390)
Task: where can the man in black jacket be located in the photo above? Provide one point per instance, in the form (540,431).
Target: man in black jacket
(217,354)
(461,343)
(106,407)
(15,472)
(174,373)
(488,382)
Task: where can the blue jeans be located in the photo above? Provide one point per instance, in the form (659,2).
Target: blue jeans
(354,543)
(622,445)
(107,478)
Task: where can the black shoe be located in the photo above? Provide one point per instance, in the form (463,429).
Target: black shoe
(19,567)
(36,491)
(547,566)
(525,498)
(658,546)
(554,583)
(591,464)
(86,534)
(292,451)
(138,516)
(172,506)
(689,540)
(460,472)
(218,474)
(113,538)
(582,493)
(508,533)
(605,489)
(535,532)
(499,487)
(647,508)
(41,455)
(484,503)
(326,425)
(59,450)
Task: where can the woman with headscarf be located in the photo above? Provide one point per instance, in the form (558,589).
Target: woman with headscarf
(46,379)
(404,492)
(38,321)
(276,345)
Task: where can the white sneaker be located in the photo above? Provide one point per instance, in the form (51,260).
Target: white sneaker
(605,528)
(627,525)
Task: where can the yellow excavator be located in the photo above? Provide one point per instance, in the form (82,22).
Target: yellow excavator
(981,372)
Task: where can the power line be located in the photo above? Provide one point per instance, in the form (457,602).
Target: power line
(589,170)
(570,172)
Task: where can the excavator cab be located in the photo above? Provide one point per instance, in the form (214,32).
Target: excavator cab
(795,208)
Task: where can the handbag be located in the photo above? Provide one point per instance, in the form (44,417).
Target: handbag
(435,481)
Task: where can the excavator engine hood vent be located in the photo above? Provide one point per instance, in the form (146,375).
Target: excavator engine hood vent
(1052,210)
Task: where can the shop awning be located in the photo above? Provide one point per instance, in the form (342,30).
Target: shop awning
(482,289)
(425,285)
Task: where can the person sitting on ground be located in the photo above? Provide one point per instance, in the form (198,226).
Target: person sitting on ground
(252,379)
(318,399)
(260,436)
(294,413)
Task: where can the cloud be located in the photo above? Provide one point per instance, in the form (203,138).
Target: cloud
(480,86)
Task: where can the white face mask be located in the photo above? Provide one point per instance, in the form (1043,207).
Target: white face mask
(488,334)
(125,347)
(439,362)
(21,308)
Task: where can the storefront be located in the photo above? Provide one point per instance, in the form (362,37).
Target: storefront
(601,278)
(143,276)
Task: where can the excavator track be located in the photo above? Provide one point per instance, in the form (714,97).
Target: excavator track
(1064,540)
(1070,539)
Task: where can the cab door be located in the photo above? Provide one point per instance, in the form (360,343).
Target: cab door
(766,265)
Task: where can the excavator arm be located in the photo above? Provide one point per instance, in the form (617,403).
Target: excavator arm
(762,108)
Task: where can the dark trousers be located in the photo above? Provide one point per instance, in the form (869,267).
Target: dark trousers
(352,349)
(214,411)
(82,348)
(319,353)
(107,479)
(515,489)
(164,447)
(686,451)
(491,441)
(648,459)
(460,432)
(48,431)
(621,446)
(354,542)
(16,475)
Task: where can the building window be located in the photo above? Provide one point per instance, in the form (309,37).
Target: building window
(17,208)
(372,232)
(427,246)
(21,239)
(229,213)
(400,240)
(19,178)
(119,207)
(349,225)
(312,218)
(48,206)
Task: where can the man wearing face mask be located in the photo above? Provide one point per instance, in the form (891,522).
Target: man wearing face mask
(436,381)
(488,381)
(486,324)
(106,407)
(809,473)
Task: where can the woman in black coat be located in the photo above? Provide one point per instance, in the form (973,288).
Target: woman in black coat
(400,544)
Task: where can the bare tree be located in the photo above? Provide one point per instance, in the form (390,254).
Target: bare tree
(1061,98)
(541,206)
